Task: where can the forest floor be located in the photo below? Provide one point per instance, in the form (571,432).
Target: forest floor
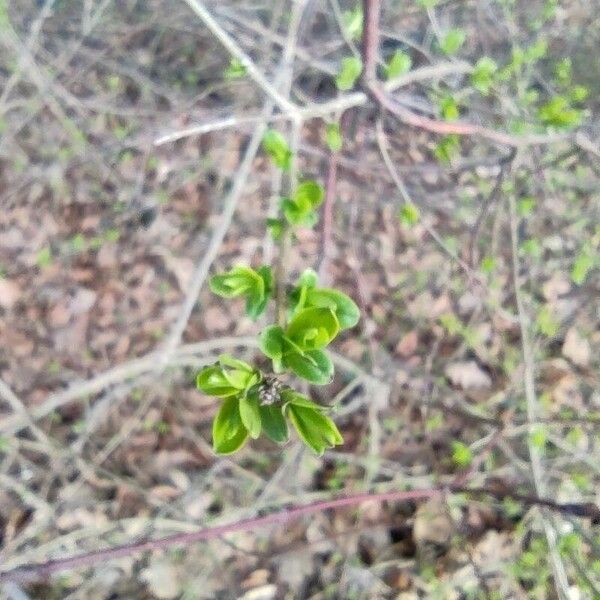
(105,229)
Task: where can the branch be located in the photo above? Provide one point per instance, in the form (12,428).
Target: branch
(232,47)
(370,40)
(459,127)
(32,572)
(561,581)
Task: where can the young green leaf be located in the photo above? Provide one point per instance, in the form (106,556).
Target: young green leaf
(461,454)
(309,193)
(447,148)
(212,381)
(584,263)
(250,414)
(275,227)
(333,136)
(226,360)
(273,423)
(313,365)
(275,145)
(259,295)
(409,215)
(452,42)
(237,282)
(346,311)
(449,108)
(559,113)
(229,433)
(399,64)
(353,22)
(235,69)
(482,77)
(271,342)
(313,328)
(349,72)
(315,429)
(290,396)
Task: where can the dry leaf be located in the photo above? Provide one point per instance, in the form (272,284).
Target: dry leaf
(576,348)
(10,292)
(468,375)
(162,579)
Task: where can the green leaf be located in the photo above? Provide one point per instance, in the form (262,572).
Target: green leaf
(353,22)
(250,415)
(399,64)
(449,108)
(313,328)
(333,136)
(461,454)
(258,297)
(290,396)
(275,145)
(583,264)
(275,227)
(271,343)
(409,215)
(274,424)
(226,360)
(244,281)
(300,210)
(447,148)
(349,72)
(346,311)
(559,113)
(235,282)
(315,429)
(452,42)
(525,206)
(313,365)
(44,257)
(482,77)
(309,193)
(308,279)
(578,93)
(212,381)
(229,433)
(235,70)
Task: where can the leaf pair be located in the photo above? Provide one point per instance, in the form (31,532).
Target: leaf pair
(315,429)
(300,346)
(242,415)
(255,286)
(301,208)
(227,377)
(307,295)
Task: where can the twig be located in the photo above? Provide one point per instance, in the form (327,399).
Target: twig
(383,149)
(461,128)
(233,48)
(32,572)
(36,571)
(560,576)
(370,40)
(323,109)
(491,199)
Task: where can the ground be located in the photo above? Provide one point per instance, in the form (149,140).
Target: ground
(107,230)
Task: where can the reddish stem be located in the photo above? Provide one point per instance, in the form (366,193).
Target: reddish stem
(370,39)
(35,571)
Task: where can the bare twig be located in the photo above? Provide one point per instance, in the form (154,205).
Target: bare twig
(560,576)
(370,40)
(233,48)
(32,572)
